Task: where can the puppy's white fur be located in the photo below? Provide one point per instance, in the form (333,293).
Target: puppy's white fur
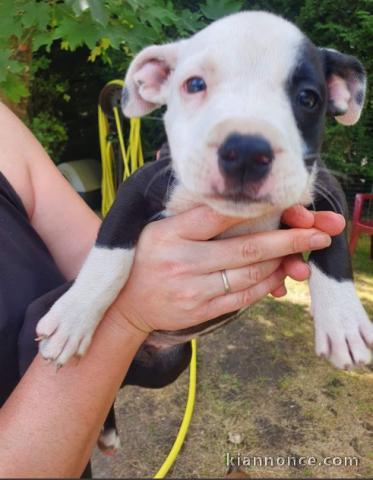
(72,320)
(343,331)
(109,441)
(245,94)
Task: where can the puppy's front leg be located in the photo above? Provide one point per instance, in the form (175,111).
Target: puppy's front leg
(67,329)
(343,331)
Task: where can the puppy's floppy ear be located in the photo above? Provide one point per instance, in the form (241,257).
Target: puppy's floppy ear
(346,81)
(147,80)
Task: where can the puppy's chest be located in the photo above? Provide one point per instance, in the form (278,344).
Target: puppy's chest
(181,200)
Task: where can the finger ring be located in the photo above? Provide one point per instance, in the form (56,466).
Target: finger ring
(227,287)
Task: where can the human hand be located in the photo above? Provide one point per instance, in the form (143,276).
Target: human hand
(176,279)
(299,217)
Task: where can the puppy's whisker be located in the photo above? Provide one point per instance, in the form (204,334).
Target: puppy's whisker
(168,189)
(332,200)
(328,170)
(317,156)
(330,195)
(155,177)
(326,195)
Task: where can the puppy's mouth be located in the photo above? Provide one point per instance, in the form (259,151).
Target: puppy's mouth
(241,194)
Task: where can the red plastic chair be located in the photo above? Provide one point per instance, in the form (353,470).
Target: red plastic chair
(359,225)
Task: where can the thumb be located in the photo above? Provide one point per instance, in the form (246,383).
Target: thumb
(201,223)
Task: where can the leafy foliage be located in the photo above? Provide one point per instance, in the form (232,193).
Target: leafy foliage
(51,132)
(32,31)
(99,25)
(107,33)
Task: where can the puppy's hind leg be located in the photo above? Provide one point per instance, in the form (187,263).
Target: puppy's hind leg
(109,441)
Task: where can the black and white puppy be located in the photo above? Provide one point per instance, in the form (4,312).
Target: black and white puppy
(246,100)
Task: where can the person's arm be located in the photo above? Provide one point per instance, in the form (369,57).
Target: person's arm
(62,219)
(50,423)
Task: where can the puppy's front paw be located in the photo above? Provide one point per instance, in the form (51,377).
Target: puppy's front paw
(343,332)
(66,330)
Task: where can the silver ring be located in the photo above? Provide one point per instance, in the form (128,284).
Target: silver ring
(227,287)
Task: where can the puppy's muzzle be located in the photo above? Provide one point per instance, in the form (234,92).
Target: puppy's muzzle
(245,158)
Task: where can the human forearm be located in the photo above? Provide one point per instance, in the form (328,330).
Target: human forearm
(72,404)
(62,219)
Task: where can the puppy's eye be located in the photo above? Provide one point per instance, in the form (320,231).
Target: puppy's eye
(308,99)
(195,84)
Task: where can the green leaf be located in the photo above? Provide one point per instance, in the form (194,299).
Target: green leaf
(36,14)
(77,32)
(116,35)
(140,36)
(75,6)
(214,9)
(8,65)
(14,88)
(188,21)
(99,12)
(10,24)
(15,67)
(42,39)
(163,15)
(10,7)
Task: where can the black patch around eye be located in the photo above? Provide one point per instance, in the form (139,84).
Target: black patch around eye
(306,89)
(359,97)
(307,98)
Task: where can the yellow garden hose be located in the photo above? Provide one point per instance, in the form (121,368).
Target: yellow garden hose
(107,182)
(132,158)
(171,457)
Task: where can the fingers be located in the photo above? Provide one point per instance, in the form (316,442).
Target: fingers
(257,247)
(329,222)
(238,278)
(203,223)
(299,217)
(235,301)
(279,292)
(296,268)
(200,223)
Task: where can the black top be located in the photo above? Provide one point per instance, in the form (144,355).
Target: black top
(27,271)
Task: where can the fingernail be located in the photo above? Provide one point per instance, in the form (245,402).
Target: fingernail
(320,240)
(282,291)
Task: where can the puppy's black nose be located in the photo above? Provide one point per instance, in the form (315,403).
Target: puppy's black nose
(245,158)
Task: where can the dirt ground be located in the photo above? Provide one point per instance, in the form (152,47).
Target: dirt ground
(261,392)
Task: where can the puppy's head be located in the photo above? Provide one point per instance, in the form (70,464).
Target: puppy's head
(246,99)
